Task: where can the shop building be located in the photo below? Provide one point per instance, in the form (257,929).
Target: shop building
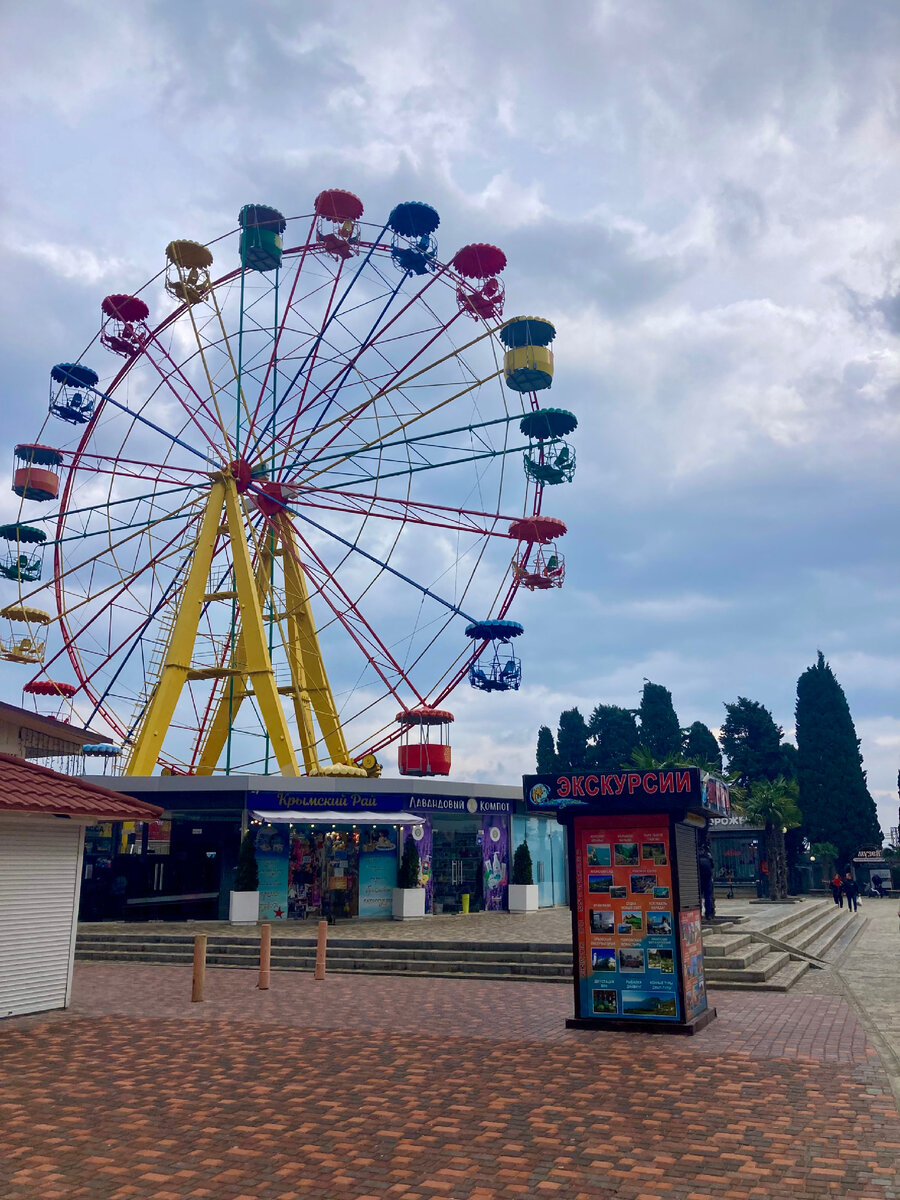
(43,815)
(325,847)
(738,851)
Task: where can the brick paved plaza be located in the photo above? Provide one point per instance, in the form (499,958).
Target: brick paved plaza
(410,1089)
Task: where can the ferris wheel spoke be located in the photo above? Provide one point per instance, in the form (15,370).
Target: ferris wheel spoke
(286,395)
(347,613)
(166,377)
(420,512)
(136,416)
(357,549)
(375,337)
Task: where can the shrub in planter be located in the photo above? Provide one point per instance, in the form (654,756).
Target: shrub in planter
(523,891)
(409,895)
(244,900)
(522,868)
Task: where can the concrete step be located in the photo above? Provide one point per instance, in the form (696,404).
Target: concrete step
(410,967)
(781,981)
(740,961)
(361,943)
(763,969)
(248,951)
(846,935)
(715,945)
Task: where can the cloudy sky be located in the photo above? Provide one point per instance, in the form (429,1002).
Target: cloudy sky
(701,195)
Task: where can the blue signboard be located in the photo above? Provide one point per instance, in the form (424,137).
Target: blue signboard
(272,849)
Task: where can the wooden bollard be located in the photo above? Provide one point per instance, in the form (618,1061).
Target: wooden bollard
(199,979)
(265,955)
(320,950)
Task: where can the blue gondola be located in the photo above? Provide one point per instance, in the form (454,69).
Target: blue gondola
(70,399)
(497,668)
(413,248)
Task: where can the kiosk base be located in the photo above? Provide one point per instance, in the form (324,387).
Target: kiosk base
(628,1024)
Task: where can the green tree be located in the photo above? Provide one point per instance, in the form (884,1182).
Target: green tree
(571,741)
(700,746)
(614,734)
(246,877)
(408,871)
(773,803)
(522,868)
(752,742)
(546,752)
(834,797)
(826,855)
(660,732)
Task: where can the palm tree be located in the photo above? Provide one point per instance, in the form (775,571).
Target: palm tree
(773,802)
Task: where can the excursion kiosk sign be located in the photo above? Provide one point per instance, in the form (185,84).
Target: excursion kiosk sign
(635,895)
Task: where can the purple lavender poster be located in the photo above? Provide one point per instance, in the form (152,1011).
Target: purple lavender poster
(495,847)
(423,836)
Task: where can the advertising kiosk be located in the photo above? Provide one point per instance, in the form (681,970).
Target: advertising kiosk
(634,893)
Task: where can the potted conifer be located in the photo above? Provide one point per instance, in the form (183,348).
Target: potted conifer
(523,891)
(243,908)
(409,894)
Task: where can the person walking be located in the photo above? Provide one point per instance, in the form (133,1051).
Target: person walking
(851,891)
(706,868)
(837,890)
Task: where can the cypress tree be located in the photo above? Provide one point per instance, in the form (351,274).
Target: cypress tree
(660,732)
(834,798)
(615,737)
(701,746)
(752,742)
(571,741)
(546,752)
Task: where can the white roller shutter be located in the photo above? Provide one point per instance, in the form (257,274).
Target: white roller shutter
(40,860)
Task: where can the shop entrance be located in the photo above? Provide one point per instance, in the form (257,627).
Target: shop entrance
(323,874)
(457,859)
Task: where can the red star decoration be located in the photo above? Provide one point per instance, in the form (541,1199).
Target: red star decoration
(279,912)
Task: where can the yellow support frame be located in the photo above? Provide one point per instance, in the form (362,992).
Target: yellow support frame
(182,639)
(311,690)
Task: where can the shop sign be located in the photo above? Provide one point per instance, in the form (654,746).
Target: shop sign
(472,805)
(626,939)
(563,791)
(728,823)
(380,802)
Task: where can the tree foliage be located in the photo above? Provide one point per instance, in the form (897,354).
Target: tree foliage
(700,746)
(246,877)
(773,803)
(834,797)
(571,741)
(546,752)
(408,872)
(660,731)
(614,736)
(752,742)
(522,868)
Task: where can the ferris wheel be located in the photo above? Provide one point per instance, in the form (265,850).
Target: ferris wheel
(320,445)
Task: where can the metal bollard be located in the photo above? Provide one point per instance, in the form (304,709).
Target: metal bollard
(320,950)
(199,979)
(265,955)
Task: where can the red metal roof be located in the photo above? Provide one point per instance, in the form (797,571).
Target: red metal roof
(26,787)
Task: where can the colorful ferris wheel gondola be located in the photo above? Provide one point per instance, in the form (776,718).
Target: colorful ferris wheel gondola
(413,247)
(425,741)
(496,668)
(23,559)
(482,263)
(271,467)
(538,564)
(549,459)
(34,471)
(71,387)
(24,641)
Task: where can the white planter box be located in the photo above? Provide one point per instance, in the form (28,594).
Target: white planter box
(523,897)
(243,908)
(408,903)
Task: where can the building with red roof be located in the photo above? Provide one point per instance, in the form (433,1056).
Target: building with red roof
(43,815)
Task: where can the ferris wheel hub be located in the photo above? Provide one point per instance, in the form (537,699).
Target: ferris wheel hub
(246,474)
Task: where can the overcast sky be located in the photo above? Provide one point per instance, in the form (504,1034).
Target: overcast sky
(703,198)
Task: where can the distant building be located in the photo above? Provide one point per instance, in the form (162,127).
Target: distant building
(56,744)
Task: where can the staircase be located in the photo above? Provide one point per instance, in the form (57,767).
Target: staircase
(537,962)
(774,948)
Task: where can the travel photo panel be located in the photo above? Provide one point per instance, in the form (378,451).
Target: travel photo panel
(627,955)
